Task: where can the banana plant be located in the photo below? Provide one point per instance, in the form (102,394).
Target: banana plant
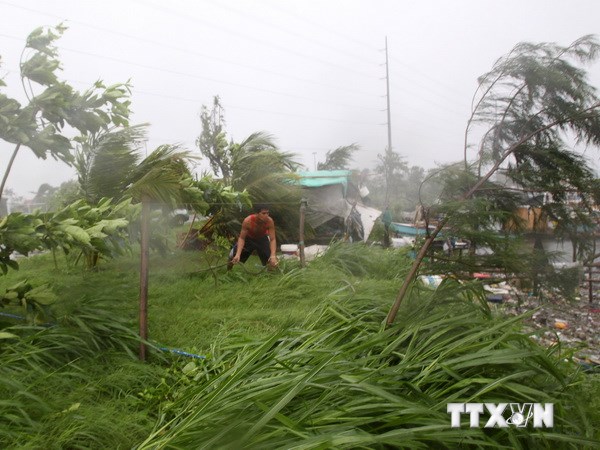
(95,230)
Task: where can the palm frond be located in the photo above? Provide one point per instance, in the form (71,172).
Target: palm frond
(159,176)
(105,161)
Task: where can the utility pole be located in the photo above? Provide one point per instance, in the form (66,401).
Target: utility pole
(387,84)
(389,121)
(315,160)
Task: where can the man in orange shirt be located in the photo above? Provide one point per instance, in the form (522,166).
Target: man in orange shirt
(258,234)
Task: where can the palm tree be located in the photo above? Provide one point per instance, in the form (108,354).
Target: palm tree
(255,165)
(105,161)
(339,158)
(259,167)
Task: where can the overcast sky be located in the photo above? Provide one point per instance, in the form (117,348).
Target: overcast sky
(309,72)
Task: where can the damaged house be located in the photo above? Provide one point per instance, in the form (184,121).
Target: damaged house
(337,202)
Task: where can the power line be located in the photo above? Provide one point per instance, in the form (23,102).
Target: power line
(407,114)
(214,80)
(427,91)
(217,81)
(442,92)
(289,31)
(446,87)
(246,37)
(193,52)
(279,113)
(420,73)
(320,26)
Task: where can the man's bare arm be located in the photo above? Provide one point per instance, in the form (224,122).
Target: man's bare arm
(272,244)
(240,243)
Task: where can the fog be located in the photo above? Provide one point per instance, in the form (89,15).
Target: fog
(311,73)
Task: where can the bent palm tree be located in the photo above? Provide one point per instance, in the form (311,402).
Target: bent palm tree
(259,167)
(105,161)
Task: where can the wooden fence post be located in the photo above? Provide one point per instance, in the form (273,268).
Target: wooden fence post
(301,237)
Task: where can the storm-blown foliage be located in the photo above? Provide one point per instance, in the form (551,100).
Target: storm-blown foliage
(104,161)
(528,105)
(53,104)
(255,165)
(537,91)
(53,110)
(29,355)
(332,377)
(338,158)
(341,381)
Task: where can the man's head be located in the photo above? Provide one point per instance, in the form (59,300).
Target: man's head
(262,211)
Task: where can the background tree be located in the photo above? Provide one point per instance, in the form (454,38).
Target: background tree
(339,158)
(43,195)
(54,104)
(212,141)
(528,103)
(64,195)
(392,167)
(255,165)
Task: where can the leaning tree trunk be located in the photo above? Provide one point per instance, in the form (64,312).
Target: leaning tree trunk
(144,251)
(413,272)
(8,169)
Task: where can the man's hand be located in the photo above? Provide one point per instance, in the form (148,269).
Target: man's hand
(273,261)
(235,259)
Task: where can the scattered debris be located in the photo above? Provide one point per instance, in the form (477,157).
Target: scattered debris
(574,324)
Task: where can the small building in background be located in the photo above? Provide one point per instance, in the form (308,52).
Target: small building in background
(337,198)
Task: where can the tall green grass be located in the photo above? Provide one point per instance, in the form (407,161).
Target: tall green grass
(297,358)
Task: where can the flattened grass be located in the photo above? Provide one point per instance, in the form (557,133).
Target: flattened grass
(296,358)
(342,381)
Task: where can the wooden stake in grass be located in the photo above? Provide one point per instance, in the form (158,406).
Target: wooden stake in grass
(301,234)
(144,253)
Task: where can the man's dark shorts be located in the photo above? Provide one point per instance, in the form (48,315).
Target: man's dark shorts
(260,245)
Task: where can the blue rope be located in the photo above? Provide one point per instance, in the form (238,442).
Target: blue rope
(12,316)
(181,352)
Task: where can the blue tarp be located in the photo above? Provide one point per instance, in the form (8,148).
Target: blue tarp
(321,178)
(406,229)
